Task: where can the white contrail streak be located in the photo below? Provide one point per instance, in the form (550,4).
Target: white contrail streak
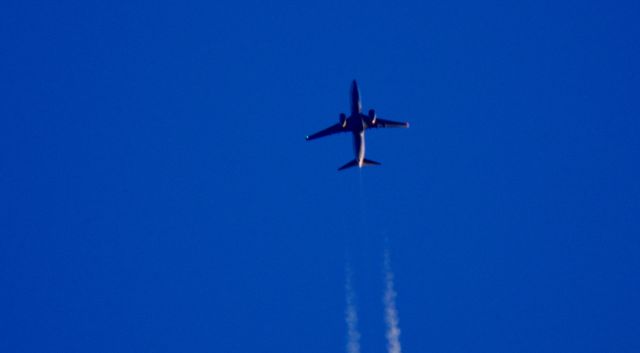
(390,311)
(351,315)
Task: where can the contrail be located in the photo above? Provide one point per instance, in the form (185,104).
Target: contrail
(351,315)
(390,311)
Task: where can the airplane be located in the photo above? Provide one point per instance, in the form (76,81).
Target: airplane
(357,123)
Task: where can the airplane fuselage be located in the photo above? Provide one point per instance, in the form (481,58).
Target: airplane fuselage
(358,147)
(357,124)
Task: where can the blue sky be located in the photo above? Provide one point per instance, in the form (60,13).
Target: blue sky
(158,194)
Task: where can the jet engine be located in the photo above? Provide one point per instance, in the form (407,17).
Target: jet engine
(372,116)
(343,120)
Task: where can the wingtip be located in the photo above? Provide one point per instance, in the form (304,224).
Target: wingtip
(306,138)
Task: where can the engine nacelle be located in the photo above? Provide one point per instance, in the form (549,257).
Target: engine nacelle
(343,120)
(372,116)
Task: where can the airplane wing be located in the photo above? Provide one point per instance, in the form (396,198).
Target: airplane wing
(333,129)
(389,123)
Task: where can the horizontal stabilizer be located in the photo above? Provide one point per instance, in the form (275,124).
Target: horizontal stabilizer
(370,162)
(354,163)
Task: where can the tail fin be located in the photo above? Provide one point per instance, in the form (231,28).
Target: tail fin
(354,163)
